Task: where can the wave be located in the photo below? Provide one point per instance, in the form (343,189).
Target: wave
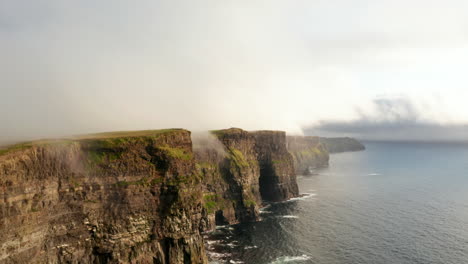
(287,259)
(211,242)
(250,247)
(232,244)
(225,227)
(374,174)
(303,196)
(217,256)
(289,216)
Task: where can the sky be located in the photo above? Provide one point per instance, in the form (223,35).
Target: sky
(370,69)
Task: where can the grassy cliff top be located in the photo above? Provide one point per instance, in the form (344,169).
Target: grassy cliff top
(122,134)
(235,130)
(87,137)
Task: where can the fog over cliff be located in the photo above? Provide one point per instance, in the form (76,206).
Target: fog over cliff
(71,67)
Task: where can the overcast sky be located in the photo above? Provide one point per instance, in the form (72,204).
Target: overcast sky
(331,66)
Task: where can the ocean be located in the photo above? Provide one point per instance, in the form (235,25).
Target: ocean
(395,202)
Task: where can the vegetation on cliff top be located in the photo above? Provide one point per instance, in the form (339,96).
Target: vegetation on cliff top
(125,134)
(99,140)
(177,153)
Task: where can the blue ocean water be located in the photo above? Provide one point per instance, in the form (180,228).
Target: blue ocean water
(392,203)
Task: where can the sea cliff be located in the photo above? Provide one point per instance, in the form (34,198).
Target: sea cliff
(135,197)
(341,144)
(308,153)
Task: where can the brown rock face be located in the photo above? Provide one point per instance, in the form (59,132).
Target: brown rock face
(116,200)
(308,153)
(254,167)
(277,176)
(140,197)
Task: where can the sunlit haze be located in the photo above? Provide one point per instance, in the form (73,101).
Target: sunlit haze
(334,67)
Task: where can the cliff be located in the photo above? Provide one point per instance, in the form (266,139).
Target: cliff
(251,167)
(344,144)
(308,153)
(135,197)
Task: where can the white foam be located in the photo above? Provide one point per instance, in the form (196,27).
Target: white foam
(232,244)
(286,259)
(250,247)
(303,196)
(289,216)
(374,174)
(211,242)
(217,256)
(235,261)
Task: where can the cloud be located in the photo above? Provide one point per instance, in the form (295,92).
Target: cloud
(392,119)
(71,67)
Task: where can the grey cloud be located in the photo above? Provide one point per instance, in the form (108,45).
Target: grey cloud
(72,67)
(393,119)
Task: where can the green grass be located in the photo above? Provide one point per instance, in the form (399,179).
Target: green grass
(238,158)
(249,203)
(124,134)
(177,153)
(218,133)
(30,144)
(98,140)
(15,147)
(277,161)
(210,202)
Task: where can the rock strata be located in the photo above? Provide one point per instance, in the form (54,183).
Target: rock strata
(135,197)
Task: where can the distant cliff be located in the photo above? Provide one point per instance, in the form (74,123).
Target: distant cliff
(308,153)
(135,197)
(335,145)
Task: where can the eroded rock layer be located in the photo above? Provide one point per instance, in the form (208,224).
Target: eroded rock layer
(140,197)
(251,168)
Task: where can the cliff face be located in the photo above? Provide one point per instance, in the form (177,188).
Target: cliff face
(336,145)
(277,175)
(308,153)
(142,197)
(124,199)
(231,186)
(252,167)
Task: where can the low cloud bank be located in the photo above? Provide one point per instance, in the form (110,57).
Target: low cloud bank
(392,119)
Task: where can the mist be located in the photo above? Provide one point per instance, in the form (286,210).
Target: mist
(74,67)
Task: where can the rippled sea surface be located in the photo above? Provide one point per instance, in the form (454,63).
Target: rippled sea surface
(393,203)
